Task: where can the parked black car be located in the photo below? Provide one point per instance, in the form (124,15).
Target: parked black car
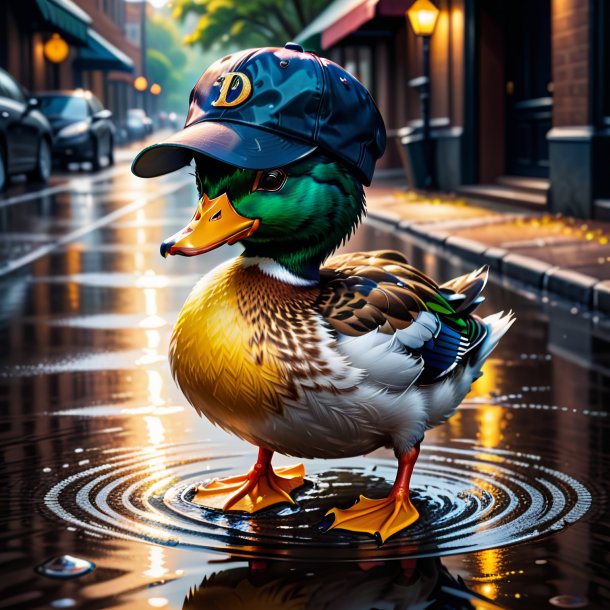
(25,134)
(81,126)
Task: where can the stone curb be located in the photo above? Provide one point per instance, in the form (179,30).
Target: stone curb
(564,282)
(601,296)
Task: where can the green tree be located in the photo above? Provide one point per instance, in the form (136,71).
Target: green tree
(167,61)
(247,23)
(159,69)
(163,36)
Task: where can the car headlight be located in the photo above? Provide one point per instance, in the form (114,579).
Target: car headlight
(75,129)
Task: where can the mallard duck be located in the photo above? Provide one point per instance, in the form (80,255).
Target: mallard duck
(293,351)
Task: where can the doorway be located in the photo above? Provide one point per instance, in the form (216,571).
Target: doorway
(528,93)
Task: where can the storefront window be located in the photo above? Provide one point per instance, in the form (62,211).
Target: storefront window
(606,62)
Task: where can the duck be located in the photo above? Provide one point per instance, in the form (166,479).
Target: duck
(286,346)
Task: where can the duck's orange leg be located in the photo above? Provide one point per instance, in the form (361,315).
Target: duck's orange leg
(382,518)
(261,487)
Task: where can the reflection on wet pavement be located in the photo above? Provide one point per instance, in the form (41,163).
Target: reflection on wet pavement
(100,451)
(410,583)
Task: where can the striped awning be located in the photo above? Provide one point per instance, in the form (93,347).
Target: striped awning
(65,17)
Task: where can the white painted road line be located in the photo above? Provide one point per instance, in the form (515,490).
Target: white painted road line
(163,191)
(73,183)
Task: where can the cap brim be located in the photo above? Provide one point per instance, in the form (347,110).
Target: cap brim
(233,143)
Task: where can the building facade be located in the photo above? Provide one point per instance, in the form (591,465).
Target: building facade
(519,94)
(100,57)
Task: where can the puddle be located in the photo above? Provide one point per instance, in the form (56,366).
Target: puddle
(469,498)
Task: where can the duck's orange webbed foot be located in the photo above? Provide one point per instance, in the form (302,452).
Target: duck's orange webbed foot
(260,488)
(385,517)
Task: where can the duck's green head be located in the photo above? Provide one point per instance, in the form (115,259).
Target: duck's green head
(296,215)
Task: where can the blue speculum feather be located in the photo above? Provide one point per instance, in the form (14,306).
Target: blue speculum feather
(448,347)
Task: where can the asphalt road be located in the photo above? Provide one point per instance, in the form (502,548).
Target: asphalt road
(99,448)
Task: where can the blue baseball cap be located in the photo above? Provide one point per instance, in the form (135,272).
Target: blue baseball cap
(265,108)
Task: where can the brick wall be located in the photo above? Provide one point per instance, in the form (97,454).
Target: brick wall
(111,30)
(570,60)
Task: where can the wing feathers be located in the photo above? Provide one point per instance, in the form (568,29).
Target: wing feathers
(464,292)
(395,322)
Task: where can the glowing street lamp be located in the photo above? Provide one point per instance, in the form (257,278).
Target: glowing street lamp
(140,84)
(422,16)
(56,49)
(155,89)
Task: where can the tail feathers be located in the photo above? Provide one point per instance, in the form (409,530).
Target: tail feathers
(445,397)
(464,292)
(497,326)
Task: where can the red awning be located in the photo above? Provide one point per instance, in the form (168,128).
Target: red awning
(343,17)
(358,15)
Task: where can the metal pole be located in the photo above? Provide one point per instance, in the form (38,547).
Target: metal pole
(424,95)
(143,51)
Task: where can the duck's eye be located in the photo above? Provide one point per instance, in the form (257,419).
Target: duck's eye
(271,180)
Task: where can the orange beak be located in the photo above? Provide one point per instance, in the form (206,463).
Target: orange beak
(215,223)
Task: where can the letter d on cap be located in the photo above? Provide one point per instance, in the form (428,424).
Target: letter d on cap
(230,82)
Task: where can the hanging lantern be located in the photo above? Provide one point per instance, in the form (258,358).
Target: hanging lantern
(141,84)
(56,49)
(155,89)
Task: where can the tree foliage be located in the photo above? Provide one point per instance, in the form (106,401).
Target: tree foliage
(247,23)
(167,61)
(163,37)
(159,68)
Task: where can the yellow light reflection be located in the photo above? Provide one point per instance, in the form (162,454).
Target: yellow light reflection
(155,429)
(156,562)
(153,338)
(150,301)
(489,565)
(489,381)
(73,267)
(150,280)
(490,419)
(139,260)
(152,322)
(155,388)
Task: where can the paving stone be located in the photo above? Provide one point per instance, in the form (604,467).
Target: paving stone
(467,248)
(525,269)
(385,216)
(494,257)
(601,297)
(426,232)
(570,284)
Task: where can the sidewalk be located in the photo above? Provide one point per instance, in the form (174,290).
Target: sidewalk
(564,256)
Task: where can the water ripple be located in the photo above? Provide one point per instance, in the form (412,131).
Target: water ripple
(469,498)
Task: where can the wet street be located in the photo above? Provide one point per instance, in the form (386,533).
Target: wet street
(100,449)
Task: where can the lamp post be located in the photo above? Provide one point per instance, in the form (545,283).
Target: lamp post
(422,16)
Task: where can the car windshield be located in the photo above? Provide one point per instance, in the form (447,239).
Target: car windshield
(63,106)
(136,113)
